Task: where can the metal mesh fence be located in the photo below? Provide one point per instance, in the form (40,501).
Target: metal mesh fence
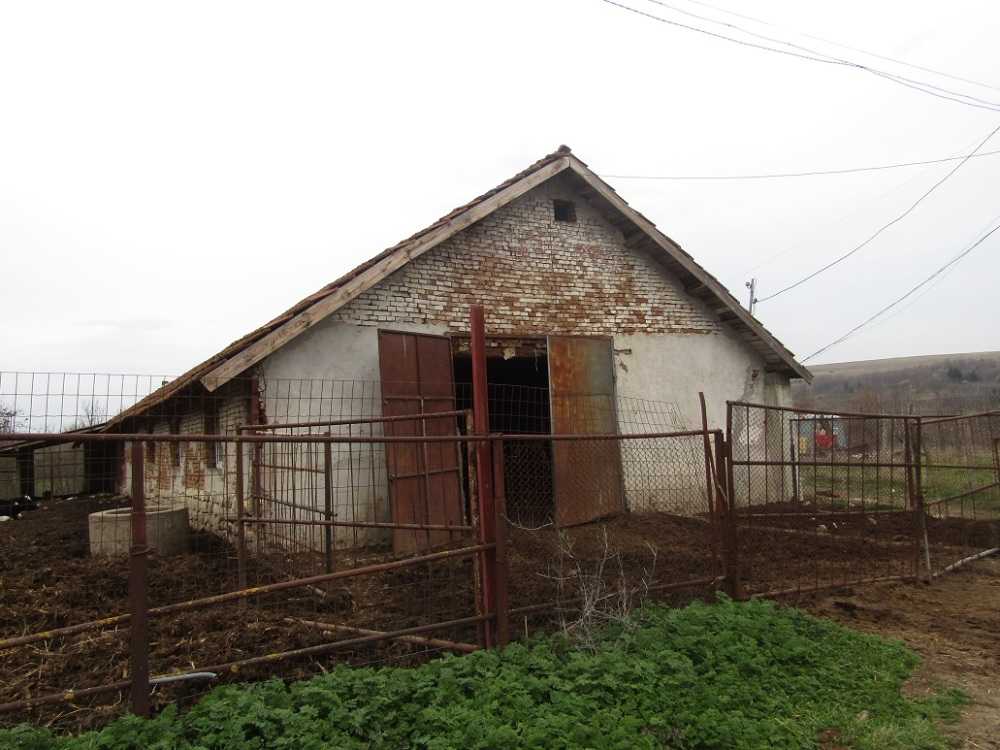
(957,473)
(837,498)
(625,520)
(337,534)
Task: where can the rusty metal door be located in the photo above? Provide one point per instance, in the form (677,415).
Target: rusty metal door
(425,485)
(587,475)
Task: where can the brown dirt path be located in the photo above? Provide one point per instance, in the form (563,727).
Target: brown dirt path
(954,624)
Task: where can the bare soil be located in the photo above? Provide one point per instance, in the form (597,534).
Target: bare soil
(48,580)
(953,623)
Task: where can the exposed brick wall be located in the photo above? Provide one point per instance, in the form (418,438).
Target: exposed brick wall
(208,492)
(535,275)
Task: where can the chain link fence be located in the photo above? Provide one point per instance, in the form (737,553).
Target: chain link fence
(843,498)
(318,531)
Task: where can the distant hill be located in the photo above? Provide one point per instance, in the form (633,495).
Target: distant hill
(932,384)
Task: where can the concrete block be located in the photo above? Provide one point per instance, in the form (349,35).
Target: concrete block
(168,531)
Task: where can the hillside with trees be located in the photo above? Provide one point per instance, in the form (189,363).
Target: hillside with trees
(934,384)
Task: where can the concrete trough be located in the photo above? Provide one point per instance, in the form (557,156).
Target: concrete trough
(168,531)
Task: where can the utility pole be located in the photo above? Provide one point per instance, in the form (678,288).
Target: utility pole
(752,286)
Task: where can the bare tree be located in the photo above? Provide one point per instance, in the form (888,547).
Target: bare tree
(8,418)
(91,414)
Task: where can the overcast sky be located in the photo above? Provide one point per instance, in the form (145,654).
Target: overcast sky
(172,175)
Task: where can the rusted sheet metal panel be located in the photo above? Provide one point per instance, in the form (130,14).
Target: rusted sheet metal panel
(587,476)
(424,478)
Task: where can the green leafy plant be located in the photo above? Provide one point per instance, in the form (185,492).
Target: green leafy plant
(731,675)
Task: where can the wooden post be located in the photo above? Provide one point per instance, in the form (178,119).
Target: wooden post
(721,517)
(734,582)
(137,590)
(710,488)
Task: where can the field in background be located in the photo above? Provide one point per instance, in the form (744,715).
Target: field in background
(935,384)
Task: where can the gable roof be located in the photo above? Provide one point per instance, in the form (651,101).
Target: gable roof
(640,234)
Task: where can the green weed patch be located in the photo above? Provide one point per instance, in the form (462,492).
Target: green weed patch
(730,675)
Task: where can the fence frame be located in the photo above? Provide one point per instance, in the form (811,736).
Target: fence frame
(488,522)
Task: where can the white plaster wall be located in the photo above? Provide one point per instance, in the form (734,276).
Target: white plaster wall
(650,371)
(332,372)
(669,474)
(535,276)
(675,367)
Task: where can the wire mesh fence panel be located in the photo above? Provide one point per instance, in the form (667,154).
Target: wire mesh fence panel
(217,605)
(958,475)
(50,580)
(291,525)
(651,536)
(63,401)
(820,499)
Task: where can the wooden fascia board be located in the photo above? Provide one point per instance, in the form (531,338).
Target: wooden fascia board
(368,278)
(688,264)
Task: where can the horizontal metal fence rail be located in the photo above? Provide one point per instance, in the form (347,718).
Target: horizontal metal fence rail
(567,526)
(868,483)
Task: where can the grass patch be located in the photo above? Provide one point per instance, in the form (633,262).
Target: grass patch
(884,488)
(730,675)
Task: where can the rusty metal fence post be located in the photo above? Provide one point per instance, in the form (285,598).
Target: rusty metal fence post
(918,499)
(725,520)
(137,590)
(241,525)
(731,528)
(328,541)
(501,598)
(484,459)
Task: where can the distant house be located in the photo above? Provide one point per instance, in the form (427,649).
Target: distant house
(590,310)
(44,468)
(10,482)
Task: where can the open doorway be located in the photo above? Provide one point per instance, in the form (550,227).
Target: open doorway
(518,386)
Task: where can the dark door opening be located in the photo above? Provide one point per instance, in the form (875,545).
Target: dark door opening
(518,388)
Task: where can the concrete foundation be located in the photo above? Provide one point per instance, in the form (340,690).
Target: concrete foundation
(167,530)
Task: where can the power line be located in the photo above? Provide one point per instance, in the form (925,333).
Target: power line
(858,207)
(821,57)
(847,46)
(841,219)
(891,305)
(809,173)
(930,287)
(830,58)
(885,226)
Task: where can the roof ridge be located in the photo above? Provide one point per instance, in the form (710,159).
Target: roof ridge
(210,364)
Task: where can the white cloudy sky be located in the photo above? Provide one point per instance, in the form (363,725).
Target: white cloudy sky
(174,174)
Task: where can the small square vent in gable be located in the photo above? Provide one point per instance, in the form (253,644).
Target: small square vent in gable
(564,210)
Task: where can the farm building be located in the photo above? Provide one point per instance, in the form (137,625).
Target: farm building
(46,469)
(10,482)
(595,321)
